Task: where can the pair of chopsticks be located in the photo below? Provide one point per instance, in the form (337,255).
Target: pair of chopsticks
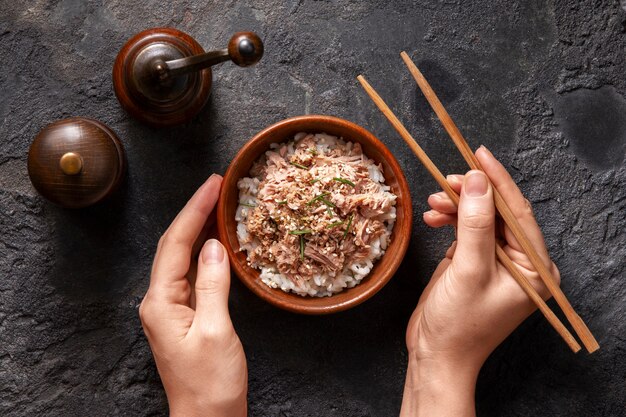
(503,209)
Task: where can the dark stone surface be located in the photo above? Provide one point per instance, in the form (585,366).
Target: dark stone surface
(540,83)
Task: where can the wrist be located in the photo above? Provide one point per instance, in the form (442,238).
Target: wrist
(440,387)
(200,408)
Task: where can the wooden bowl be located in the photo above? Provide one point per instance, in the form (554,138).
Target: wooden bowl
(383,269)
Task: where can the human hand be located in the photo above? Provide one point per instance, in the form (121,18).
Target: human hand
(471,303)
(185,316)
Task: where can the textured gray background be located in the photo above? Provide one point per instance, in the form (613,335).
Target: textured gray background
(540,83)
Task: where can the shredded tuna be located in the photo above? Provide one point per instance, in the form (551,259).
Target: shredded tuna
(319,204)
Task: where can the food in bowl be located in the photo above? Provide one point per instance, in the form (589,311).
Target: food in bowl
(314,215)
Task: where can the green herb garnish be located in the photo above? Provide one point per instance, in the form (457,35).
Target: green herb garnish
(298,165)
(328,203)
(313,181)
(344,181)
(345,232)
(300,232)
(313,151)
(248,205)
(282,202)
(319,197)
(335,224)
(302,248)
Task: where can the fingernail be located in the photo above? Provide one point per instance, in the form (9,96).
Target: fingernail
(475,184)
(484,149)
(208,181)
(435,196)
(213,252)
(452,178)
(214,176)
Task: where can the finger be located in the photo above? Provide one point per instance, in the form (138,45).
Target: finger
(451,250)
(522,261)
(212,285)
(204,234)
(521,208)
(442,203)
(173,257)
(475,251)
(435,219)
(456,182)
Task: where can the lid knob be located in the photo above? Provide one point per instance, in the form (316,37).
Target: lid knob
(71,163)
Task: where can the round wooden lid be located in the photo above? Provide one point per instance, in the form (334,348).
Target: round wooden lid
(76,162)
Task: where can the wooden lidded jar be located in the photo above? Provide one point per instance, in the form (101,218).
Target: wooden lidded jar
(76,162)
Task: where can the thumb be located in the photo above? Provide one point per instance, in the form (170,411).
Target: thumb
(475,251)
(212,283)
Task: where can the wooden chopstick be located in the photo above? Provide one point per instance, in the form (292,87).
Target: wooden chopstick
(581,329)
(438,176)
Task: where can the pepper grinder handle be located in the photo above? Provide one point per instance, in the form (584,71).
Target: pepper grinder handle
(244,49)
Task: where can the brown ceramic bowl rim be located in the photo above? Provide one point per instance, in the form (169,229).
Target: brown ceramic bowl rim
(293,302)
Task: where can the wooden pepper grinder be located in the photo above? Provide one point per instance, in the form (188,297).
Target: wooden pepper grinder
(162,76)
(76,162)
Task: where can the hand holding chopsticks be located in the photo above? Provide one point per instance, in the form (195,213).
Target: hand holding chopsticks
(579,325)
(504,210)
(471,303)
